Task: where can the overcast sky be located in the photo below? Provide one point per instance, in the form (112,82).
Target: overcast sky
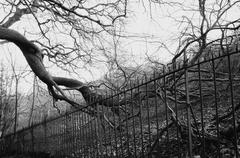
(149,22)
(138,23)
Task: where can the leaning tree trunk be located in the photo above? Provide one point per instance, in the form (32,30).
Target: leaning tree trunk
(34,58)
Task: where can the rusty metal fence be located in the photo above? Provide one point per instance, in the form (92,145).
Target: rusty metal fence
(182,111)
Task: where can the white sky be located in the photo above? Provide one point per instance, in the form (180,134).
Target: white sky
(155,25)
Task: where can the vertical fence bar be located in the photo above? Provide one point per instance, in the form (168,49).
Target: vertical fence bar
(140,116)
(84,136)
(103,127)
(156,102)
(55,137)
(216,105)
(133,122)
(165,101)
(108,136)
(126,118)
(77,135)
(65,134)
(176,107)
(68,138)
(201,108)
(232,105)
(99,137)
(156,93)
(120,123)
(148,113)
(81,135)
(115,124)
(61,140)
(93,135)
(74,115)
(188,109)
(50,138)
(71,134)
(89,134)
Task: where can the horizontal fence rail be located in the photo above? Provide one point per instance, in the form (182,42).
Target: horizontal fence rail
(183,111)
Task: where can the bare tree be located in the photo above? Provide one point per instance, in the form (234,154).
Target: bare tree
(87,25)
(213,27)
(199,25)
(84,24)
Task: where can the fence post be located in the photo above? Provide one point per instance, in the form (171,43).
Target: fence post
(188,107)
(99,135)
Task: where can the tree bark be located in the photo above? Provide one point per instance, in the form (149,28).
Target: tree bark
(31,52)
(34,58)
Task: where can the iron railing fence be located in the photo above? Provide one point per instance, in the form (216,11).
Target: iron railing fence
(184,111)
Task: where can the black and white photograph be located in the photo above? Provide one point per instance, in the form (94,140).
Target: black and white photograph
(119,78)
